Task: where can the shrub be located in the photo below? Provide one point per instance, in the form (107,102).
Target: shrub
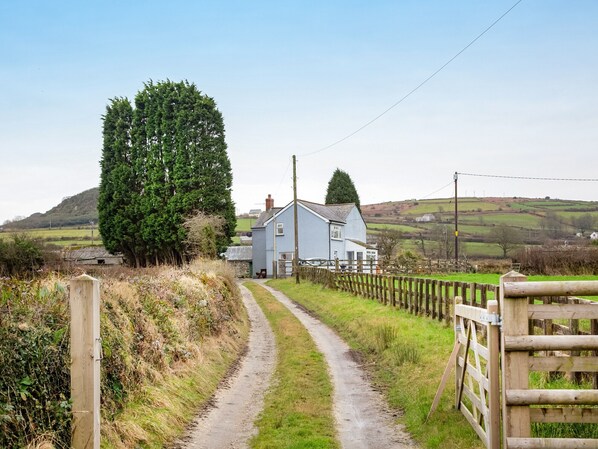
(554,260)
(151,322)
(21,256)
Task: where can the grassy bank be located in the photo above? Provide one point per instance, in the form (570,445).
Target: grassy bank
(168,337)
(298,407)
(407,356)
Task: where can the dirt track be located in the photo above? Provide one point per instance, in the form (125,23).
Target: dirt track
(228,424)
(362,419)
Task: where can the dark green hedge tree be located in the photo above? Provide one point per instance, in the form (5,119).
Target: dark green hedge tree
(341,189)
(162,161)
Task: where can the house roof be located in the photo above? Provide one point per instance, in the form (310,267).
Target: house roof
(265,216)
(330,212)
(89,253)
(236,253)
(360,243)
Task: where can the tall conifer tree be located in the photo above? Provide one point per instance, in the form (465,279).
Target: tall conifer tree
(180,161)
(341,189)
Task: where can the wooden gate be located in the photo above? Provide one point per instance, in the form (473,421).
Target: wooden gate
(477,369)
(522,352)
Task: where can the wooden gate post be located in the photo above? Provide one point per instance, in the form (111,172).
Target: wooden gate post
(85,362)
(515,369)
(493,430)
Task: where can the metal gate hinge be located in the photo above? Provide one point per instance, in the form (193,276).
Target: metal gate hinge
(494,319)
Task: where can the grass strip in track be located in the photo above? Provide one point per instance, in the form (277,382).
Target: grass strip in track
(407,356)
(298,407)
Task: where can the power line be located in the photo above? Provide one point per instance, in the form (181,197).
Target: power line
(283,177)
(529,177)
(348,136)
(438,190)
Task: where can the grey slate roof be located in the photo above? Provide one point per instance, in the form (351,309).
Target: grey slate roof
(236,253)
(331,212)
(265,216)
(89,253)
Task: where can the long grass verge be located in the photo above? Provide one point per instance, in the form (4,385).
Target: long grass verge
(160,413)
(298,407)
(406,354)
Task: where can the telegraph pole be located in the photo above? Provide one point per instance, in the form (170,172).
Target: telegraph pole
(296,258)
(456,177)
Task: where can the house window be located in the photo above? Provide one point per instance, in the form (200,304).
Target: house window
(335,232)
(279,228)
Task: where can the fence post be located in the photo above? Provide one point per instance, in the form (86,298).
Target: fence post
(493,431)
(515,369)
(84,301)
(457,328)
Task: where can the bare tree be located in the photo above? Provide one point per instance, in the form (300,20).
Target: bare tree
(583,222)
(387,242)
(506,237)
(203,231)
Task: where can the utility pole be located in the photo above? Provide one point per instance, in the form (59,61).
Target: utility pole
(456,177)
(296,258)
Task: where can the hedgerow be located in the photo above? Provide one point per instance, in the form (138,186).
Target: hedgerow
(152,323)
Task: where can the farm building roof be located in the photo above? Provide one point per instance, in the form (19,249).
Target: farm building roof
(238,253)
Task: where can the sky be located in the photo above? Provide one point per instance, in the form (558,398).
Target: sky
(292,78)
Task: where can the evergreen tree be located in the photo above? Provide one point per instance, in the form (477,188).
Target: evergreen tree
(341,189)
(180,166)
(116,202)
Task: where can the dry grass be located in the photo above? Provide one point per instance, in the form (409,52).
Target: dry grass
(169,335)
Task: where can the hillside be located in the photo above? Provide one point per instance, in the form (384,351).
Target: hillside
(536,220)
(75,210)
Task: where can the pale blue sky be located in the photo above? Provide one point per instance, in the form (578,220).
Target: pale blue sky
(293,77)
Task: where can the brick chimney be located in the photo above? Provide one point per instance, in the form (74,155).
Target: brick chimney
(269,202)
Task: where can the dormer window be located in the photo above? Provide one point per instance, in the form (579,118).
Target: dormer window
(279,228)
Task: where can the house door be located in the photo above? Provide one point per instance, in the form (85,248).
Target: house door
(350,259)
(285,264)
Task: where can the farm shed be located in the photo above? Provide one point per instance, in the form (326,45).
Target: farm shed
(92,255)
(240,257)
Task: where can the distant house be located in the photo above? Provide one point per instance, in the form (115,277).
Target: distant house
(92,255)
(594,235)
(426,218)
(240,257)
(326,232)
(254,213)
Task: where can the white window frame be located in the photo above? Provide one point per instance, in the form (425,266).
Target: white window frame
(279,229)
(336,232)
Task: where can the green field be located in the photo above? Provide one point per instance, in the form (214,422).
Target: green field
(373,227)
(244,224)
(61,236)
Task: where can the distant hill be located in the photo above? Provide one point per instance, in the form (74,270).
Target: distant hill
(75,210)
(536,220)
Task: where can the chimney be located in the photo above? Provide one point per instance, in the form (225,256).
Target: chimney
(269,202)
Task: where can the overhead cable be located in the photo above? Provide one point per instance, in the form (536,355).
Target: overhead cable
(417,87)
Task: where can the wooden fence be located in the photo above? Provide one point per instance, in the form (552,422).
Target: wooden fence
(420,296)
(543,329)
(524,351)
